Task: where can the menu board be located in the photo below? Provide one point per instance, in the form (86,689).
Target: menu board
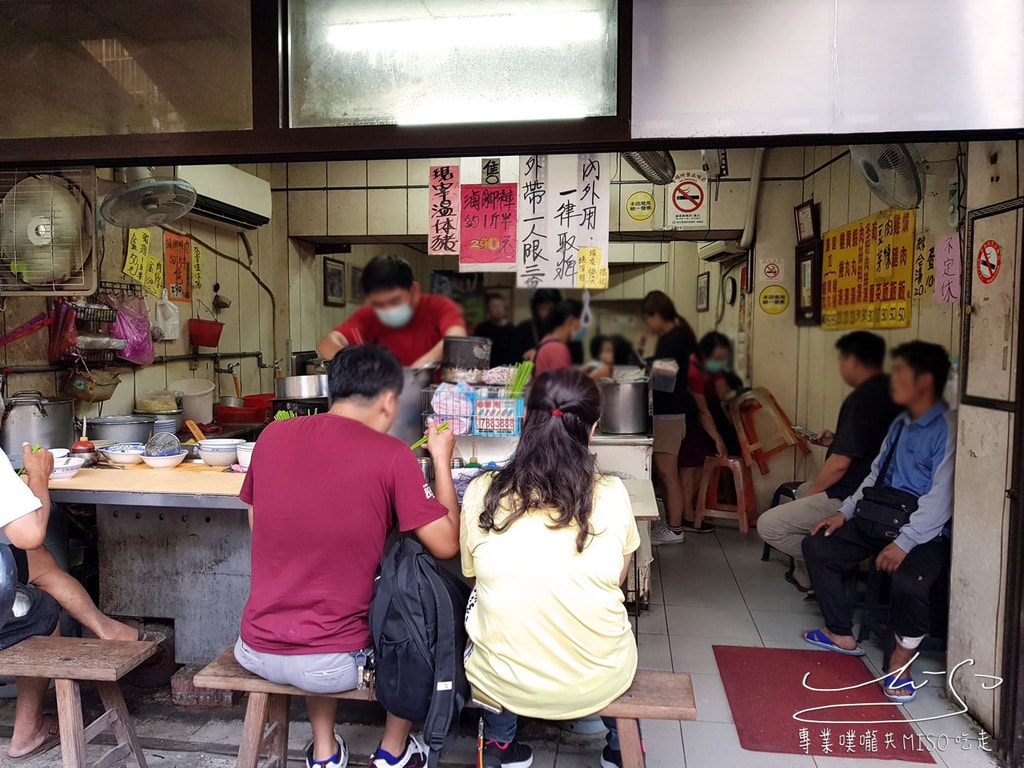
(488,231)
(868,271)
(563,207)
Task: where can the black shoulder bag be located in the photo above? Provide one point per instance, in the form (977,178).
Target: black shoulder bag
(887,509)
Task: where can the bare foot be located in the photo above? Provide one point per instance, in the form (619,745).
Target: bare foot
(846,642)
(48,731)
(119,631)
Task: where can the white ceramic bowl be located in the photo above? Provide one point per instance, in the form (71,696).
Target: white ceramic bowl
(219,452)
(245,454)
(59,453)
(165,462)
(66,468)
(124,453)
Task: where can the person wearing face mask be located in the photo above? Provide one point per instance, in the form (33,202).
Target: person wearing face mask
(399,317)
(561,327)
(720,385)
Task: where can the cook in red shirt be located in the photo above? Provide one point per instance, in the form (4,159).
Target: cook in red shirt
(323,493)
(400,317)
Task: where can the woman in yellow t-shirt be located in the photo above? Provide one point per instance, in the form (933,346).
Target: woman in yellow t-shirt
(549,540)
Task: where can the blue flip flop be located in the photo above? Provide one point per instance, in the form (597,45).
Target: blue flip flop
(904,687)
(819,639)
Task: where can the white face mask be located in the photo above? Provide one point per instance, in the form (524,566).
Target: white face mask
(395,317)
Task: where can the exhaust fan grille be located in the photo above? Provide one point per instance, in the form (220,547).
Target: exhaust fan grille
(656,167)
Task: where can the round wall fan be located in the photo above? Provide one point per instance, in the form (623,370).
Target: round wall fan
(147,201)
(45,230)
(892,171)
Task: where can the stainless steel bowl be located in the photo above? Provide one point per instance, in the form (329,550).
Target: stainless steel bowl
(300,387)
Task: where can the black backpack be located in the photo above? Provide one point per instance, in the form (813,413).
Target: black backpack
(419,639)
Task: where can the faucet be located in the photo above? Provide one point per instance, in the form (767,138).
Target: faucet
(276,365)
(230,370)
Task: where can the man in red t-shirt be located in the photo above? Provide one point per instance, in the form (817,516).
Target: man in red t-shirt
(323,492)
(400,317)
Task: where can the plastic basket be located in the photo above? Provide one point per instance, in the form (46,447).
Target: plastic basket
(497,416)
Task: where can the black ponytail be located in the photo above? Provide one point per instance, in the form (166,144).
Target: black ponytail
(552,468)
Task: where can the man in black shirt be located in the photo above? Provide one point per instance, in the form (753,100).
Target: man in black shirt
(497,328)
(864,419)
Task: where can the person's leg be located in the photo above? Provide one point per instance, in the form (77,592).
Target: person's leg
(32,728)
(612,738)
(690,480)
(396,735)
(785,526)
(45,574)
(665,464)
(323,712)
(500,727)
(909,602)
(829,559)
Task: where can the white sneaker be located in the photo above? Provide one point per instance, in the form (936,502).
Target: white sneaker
(662,534)
(415,756)
(340,759)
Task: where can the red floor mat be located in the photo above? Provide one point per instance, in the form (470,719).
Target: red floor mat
(765,689)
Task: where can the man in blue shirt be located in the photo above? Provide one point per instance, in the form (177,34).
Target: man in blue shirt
(922,442)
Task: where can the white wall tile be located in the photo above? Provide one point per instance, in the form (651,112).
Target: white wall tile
(386,211)
(346,173)
(386,173)
(346,211)
(307,175)
(307,213)
(419,201)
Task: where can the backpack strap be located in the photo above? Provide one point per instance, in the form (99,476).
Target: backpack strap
(437,728)
(884,473)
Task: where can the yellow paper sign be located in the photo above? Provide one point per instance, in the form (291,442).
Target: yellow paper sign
(591,272)
(153,282)
(640,206)
(774,299)
(924,266)
(868,272)
(197,267)
(138,252)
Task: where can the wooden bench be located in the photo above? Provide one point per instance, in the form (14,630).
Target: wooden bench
(68,661)
(653,696)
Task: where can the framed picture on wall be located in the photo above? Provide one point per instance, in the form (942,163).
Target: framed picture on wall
(356,291)
(808,283)
(703,291)
(805,217)
(334,283)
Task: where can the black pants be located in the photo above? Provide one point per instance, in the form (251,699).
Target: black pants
(830,558)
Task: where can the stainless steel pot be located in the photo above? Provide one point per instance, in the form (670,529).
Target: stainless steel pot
(122,429)
(300,387)
(231,401)
(627,406)
(31,418)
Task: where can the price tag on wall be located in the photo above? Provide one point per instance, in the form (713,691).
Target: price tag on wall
(138,252)
(593,270)
(177,261)
(153,282)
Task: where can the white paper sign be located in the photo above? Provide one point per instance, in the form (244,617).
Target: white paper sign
(687,204)
(563,206)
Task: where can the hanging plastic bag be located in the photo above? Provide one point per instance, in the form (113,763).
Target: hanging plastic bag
(132,325)
(166,323)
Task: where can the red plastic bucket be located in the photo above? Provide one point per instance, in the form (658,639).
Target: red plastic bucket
(204,333)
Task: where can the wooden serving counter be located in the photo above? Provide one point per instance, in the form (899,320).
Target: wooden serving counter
(187,485)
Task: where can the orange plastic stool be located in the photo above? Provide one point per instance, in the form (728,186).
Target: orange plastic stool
(708,503)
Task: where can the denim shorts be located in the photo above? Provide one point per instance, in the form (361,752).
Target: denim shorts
(316,673)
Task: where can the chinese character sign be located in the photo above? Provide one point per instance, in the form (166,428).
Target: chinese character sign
(867,279)
(178,266)
(443,214)
(138,252)
(197,266)
(488,231)
(924,265)
(153,280)
(563,207)
(948,266)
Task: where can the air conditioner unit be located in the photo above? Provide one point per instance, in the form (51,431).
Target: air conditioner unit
(718,251)
(228,196)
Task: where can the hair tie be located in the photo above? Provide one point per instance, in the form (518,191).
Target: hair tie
(557,412)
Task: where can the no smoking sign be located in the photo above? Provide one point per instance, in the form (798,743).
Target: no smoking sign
(990,259)
(688,200)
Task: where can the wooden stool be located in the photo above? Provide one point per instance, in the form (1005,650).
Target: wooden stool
(653,696)
(708,504)
(68,661)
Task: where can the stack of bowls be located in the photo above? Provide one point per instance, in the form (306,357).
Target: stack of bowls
(165,425)
(219,452)
(245,454)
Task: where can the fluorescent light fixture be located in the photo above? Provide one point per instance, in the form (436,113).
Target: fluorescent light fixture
(444,112)
(435,35)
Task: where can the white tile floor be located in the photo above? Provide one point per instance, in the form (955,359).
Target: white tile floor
(715,590)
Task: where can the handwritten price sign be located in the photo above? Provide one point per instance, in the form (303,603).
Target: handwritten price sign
(138,252)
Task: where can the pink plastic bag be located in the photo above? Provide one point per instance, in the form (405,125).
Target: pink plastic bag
(132,325)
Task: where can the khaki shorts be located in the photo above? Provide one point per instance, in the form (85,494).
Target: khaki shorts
(669,432)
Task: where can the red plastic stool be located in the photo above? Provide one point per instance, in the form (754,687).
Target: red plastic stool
(776,435)
(708,503)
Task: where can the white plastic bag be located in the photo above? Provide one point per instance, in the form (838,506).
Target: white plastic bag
(166,319)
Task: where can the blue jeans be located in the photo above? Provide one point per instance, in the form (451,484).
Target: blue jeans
(502,728)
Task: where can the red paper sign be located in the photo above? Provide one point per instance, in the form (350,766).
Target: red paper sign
(489,223)
(443,235)
(178,267)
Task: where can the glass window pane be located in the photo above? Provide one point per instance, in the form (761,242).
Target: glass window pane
(410,62)
(124,66)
